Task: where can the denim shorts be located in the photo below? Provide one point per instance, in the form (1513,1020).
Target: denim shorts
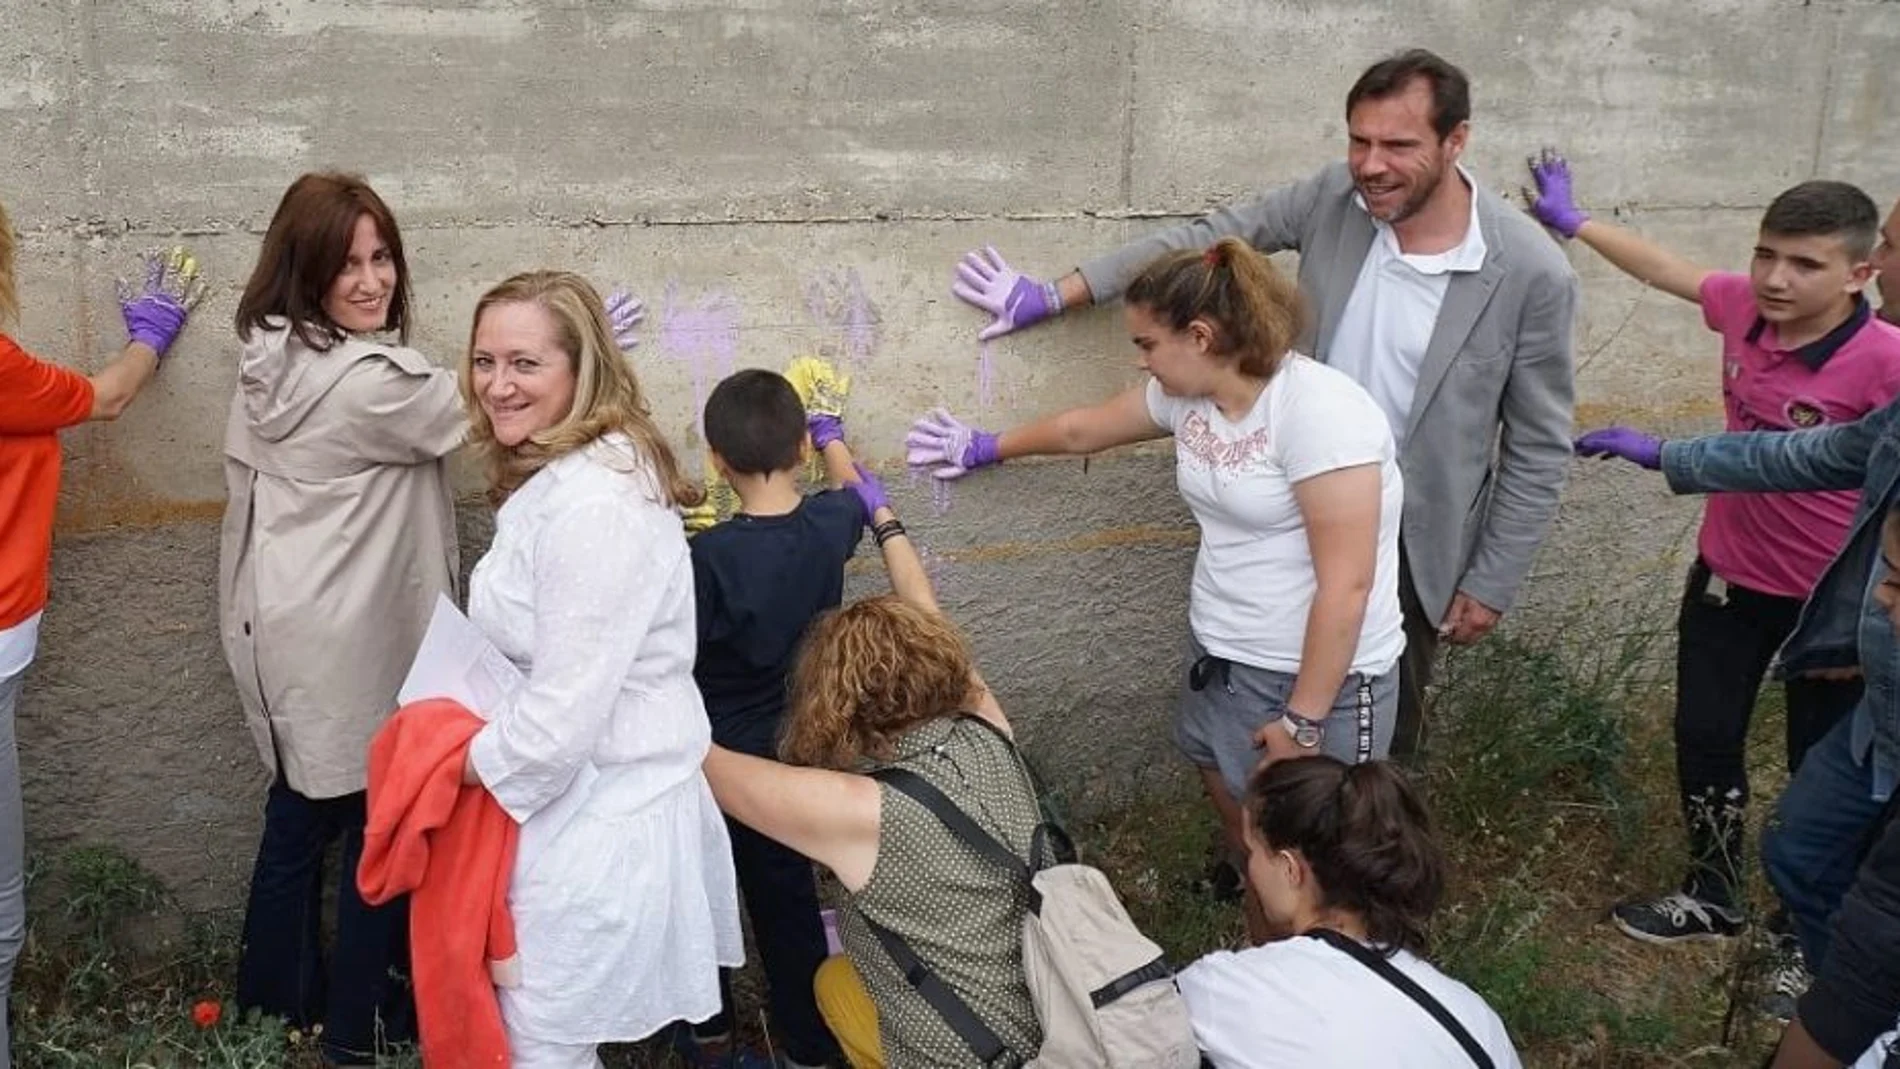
(1216,724)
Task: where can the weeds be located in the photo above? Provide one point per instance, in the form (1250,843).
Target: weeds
(1549,775)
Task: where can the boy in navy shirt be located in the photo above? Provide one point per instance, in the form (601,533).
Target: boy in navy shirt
(762,577)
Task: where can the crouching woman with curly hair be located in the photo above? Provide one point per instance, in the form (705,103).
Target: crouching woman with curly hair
(887,682)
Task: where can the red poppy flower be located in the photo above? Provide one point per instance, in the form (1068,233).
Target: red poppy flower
(205,1014)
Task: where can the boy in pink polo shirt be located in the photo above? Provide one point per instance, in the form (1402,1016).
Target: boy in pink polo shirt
(1800,348)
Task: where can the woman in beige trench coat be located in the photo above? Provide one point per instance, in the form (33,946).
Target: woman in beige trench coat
(338,537)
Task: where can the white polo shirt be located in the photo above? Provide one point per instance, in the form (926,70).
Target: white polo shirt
(1388,321)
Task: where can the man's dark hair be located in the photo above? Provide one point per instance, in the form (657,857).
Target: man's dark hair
(1451,90)
(755,422)
(1826,208)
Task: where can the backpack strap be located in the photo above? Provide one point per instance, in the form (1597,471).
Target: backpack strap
(924,793)
(1050,843)
(1389,972)
(985,1044)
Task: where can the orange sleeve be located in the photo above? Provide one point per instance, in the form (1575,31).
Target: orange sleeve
(37,397)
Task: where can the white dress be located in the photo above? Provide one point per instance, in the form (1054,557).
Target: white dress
(623,893)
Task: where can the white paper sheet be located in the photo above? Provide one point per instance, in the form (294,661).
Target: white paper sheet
(457,661)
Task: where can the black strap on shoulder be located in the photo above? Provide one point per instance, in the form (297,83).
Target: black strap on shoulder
(1377,962)
(1050,843)
(924,793)
(985,1044)
(956,1013)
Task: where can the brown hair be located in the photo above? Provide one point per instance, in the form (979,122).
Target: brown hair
(607,396)
(304,251)
(1256,312)
(868,673)
(1393,75)
(9,295)
(1364,833)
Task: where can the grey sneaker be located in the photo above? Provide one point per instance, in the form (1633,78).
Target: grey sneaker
(1676,917)
(1785,980)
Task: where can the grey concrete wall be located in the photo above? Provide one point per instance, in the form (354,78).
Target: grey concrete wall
(778,176)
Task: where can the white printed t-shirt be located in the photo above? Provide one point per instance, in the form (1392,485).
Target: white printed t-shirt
(1300,1003)
(1253,576)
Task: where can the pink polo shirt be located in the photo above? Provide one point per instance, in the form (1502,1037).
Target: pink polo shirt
(1780,543)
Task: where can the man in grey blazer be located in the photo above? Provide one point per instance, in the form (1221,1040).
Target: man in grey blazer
(1450,306)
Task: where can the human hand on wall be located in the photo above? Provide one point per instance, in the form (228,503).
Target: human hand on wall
(986,280)
(1468,620)
(1554,205)
(825,429)
(1625,442)
(949,447)
(155,309)
(624,314)
(870,491)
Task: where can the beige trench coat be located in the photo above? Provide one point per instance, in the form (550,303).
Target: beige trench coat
(338,534)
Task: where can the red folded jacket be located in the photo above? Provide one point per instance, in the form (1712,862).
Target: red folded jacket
(453,849)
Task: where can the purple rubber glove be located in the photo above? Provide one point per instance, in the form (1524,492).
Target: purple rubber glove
(624,313)
(1626,442)
(1554,205)
(986,280)
(870,493)
(156,310)
(825,429)
(949,447)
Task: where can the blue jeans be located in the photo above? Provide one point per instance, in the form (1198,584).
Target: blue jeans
(280,968)
(1813,843)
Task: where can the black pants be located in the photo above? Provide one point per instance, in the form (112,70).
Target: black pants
(1726,637)
(281,969)
(1415,666)
(781,901)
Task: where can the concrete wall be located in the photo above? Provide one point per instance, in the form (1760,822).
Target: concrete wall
(776,176)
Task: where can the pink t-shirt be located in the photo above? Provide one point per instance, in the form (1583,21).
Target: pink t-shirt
(1780,543)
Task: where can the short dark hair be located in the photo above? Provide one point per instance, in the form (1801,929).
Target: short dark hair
(307,247)
(755,422)
(1451,90)
(1826,208)
(1364,833)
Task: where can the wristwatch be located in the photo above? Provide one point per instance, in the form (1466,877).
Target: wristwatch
(1306,733)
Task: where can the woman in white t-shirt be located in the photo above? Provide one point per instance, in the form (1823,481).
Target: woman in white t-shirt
(1343,850)
(1290,468)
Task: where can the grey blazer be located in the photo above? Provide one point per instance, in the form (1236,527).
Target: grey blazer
(1487,445)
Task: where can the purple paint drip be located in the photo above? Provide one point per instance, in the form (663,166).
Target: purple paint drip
(985,377)
(939,488)
(936,567)
(703,335)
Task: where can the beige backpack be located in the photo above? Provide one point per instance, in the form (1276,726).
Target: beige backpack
(1104,993)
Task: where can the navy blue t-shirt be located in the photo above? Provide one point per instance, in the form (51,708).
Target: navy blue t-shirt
(760,582)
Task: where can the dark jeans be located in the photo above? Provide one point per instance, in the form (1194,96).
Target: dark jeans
(1821,828)
(1726,639)
(364,998)
(1415,667)
(781,901)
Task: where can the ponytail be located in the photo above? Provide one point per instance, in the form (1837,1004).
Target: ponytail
(1365,834)
(1256,312)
